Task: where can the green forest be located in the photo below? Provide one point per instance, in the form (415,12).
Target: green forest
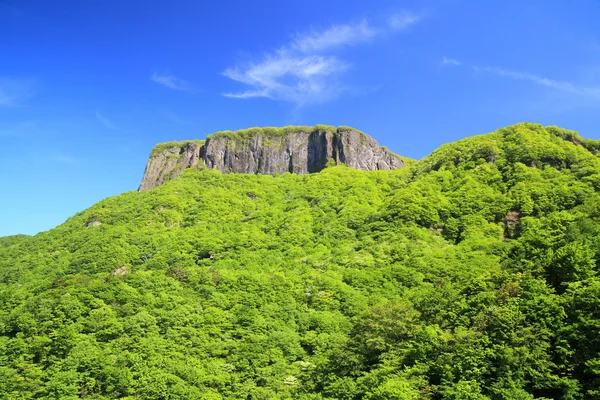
(471,274)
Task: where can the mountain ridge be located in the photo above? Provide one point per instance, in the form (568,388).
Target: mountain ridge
(265,150)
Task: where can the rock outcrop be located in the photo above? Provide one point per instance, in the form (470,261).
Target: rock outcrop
(298,150)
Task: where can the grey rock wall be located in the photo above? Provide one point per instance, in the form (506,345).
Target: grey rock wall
(257,151)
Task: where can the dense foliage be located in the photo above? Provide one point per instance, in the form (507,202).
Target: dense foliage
(473,274)
(272,131)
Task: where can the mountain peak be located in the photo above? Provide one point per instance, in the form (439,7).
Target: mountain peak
(269,150)
(527,143)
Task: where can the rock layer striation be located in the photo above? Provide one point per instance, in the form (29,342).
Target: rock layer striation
(298,150)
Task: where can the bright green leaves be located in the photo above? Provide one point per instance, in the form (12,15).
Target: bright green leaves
(472,274)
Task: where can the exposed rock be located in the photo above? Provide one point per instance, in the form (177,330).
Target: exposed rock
(169,160)
(511,224)
(93,222)
(360,151)
(122,270)
(298,150)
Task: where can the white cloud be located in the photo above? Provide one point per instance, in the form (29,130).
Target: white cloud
(105,121)
(305,71)
(14,91)
(286,76)
(403,20)
(336,36)
(172,82)
(450,61)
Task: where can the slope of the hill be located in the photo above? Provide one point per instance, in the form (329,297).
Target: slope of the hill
(471,275)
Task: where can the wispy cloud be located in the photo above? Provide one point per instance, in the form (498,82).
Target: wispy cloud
(563,86)
(286,76)
(336,36)
(307,70)
(403,20)
(105,121)
(171,82)
(14,91)
(558,85)
(540,80)
(450,61)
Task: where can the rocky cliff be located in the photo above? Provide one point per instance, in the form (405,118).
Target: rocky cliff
(295,149)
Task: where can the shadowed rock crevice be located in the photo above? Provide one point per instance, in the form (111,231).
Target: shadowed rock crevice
(320,150)
(299,150)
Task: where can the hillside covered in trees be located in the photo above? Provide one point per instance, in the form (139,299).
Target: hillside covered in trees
(470,274)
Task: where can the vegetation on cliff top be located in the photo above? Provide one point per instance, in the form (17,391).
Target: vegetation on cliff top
(271,131)
(474,274)
(268,131)
(173,146)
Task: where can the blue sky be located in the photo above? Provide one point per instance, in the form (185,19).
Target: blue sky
(88,87)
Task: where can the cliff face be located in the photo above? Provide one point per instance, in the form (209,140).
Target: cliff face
(168,161)
(298,150)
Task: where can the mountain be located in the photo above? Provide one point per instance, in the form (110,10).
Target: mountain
(470,274)
(295,149)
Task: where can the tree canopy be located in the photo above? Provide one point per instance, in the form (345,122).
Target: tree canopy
(472,274)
